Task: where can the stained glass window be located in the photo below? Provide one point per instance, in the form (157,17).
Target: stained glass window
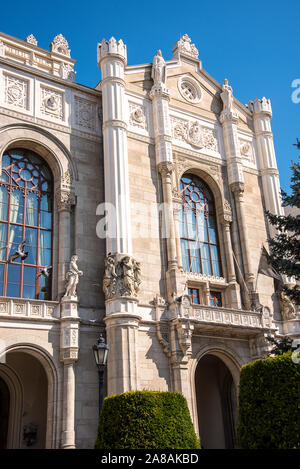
(25,225)
(199,237)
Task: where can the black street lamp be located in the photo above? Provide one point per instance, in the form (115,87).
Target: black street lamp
(100,353)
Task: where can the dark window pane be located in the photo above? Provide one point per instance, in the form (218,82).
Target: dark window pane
(45,257)
(31,258)
(45,239)
(216,267)
(13,290)
(32,201)
(1,272)
(3,195)
(44,289)
(28,291)
(31,217)
(3,211)
(29,275)
(46,203)
(5,161)
(14,273)
(16,213)
(31,236)
(15,234)
(1,289)
(45,219)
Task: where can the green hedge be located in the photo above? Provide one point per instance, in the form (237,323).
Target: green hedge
(269,404)
(144,420)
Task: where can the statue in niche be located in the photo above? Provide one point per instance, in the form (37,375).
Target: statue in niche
(159,70)
(227,97)
(72,277)
(128,275)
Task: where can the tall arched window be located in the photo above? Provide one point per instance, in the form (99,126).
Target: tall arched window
(199,238)
(26,189)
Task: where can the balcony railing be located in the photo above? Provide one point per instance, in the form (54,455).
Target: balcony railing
(34,309)
(226,316)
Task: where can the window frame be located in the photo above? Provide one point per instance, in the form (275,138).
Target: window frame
(208,212)
(24,156)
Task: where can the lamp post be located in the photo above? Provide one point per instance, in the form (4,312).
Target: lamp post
(100,350)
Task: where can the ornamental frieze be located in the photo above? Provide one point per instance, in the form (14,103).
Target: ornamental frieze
(194,134)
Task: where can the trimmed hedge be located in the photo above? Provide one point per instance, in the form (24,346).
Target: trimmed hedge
(145,420)
(269,404)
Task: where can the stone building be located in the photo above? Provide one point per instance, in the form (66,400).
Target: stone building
(157,181)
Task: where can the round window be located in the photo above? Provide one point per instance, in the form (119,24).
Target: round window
(189,89)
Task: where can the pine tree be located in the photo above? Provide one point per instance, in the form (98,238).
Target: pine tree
(285,246)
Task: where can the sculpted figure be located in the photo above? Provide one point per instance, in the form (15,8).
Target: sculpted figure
(128,274)
(158,70)
(72,277)
(226,96)
(109,278)
(286,306)
(137,275)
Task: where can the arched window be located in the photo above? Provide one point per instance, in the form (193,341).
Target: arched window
(199,238)
(26,189)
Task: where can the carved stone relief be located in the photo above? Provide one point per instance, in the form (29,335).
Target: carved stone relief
(246,149)
(137,116)
(52,103)
(85,113)
(122,276)
(67,72)
(194,134)
(16,91)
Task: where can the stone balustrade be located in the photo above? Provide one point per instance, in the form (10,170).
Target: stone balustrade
(230,317)
(34,309)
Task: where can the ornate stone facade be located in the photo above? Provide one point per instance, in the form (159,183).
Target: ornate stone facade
(121,156)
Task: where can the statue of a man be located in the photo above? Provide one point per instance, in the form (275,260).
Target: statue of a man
(158,70)
(227,97)
(72,277)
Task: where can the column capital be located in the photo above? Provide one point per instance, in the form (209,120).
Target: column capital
(159,92)
(229,116)
(238,188)
(166,168)
(64,199)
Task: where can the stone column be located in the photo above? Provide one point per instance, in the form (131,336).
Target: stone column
(64,202)
(160,97)
(262,114)
(69,346)
(233,297)
(112,58)
(122,272)
(229,120)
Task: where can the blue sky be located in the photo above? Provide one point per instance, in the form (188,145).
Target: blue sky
(255,44)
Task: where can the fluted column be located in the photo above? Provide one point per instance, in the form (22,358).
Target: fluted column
(229,119)
(112,57)
(122,272)
(262,115)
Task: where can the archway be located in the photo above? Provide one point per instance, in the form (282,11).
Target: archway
(23,402)
(216,403)
(4,413)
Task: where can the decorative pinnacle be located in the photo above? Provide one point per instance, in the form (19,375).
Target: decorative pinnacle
(262,106)
(111,48)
